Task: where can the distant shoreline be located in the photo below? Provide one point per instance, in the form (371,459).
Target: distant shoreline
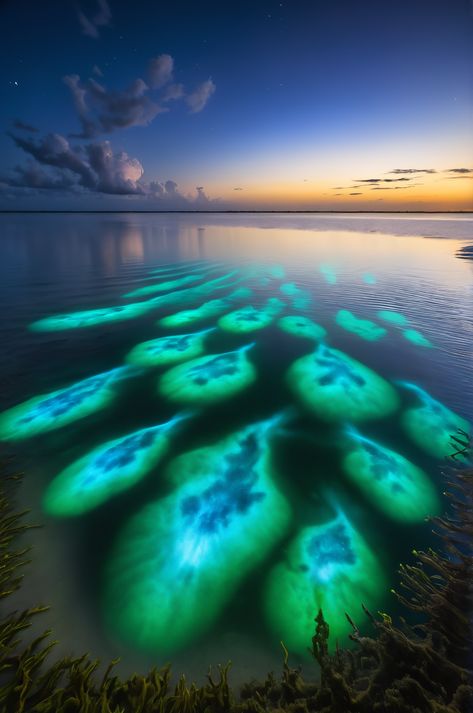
(252,212)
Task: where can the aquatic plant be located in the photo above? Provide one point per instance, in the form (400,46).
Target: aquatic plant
(301,326)
(168,350)
(416,337)
(209,309)
(364,328)
(249,318)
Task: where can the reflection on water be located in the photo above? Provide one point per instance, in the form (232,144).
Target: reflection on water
(228,421)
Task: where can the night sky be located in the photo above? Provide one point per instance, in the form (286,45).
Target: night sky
(148,105)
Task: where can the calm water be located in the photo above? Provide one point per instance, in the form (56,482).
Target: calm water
(299,492)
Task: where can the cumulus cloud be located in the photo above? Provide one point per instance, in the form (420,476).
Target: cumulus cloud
(200,96)
(23,126)
(102,18)
(173,92)
(413,170)
(160,70)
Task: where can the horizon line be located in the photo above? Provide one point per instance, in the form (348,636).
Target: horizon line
(207,212)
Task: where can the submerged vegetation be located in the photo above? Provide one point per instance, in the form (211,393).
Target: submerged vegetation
(405,668)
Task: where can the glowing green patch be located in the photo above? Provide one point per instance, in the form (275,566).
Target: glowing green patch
(277,272)
(431,424)
(59,408)
(164,286)
(392,483)
(417,338)
(104,315)
(168,350)
(178,562)
(301,326)
(110,469)
(393,317)
(301,299)
(328,567)
(336,387)
(207,310)
(249,318)
(209,378)
(369,278)
(328,273)
(183,267)
(364,328)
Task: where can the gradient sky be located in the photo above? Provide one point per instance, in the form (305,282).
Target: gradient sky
(302,105)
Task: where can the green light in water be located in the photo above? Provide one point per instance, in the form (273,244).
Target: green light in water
(431,424)
(209,309)
(110,469)
(59,408)
(164,286)
(209,378)
(364,328)
(394,484)
(417,338)
(249,318)
(168,350)
(393,317)
(301,299)
(301,326)
(369,278)
(336,387)
(277,272)
(328,567)
(328,273)
(183,267)
(178,561)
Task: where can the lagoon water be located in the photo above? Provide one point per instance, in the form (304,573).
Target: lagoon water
(294,470)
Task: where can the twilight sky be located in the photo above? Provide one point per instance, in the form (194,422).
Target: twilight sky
(252,104)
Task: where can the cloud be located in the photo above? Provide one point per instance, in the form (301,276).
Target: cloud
(356,194)
(18,124)
(200,96)
(381,180)
(395,188)
(102,18)
(97,71)
(102,111)
(173,92)
(458,170)
(413,170)
(160,70)
(238,188)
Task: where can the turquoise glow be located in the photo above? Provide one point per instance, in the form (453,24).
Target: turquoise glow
(184,267)
(249,318)
(392,483)
(168,350)
(277,272)
(209,309)
(328,567)
(364,328)
(431,424)
(338,388)
(59,408)
(396,318)
(178,562)
(417,338)
(209,378)
(165,286)
(110,469)
(301,299)
(328,273)
(369,278)
(301,326)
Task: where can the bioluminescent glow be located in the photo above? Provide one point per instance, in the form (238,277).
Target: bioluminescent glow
(168,350)
(178,561)
(417,338)
(183,267)
(207,310)
(364,328)
(336,387)
(109,469)
(249,318)
(328,567)
(301,326)
(431,424)
(58,408)
(396,318)
(209,378)
(329,274)
(369,278)
(392,483)
(104,315)
(301,299)
(277,272)
(165,286)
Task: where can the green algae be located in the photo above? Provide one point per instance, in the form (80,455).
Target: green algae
(249,318)
(336,387)
(169,349)
(364,328)
(179,560)
(417,338)
(392,483)
(393,317)
(109,469)
(301,326)
(207,310)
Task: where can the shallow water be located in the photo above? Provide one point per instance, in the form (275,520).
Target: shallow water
(291,481)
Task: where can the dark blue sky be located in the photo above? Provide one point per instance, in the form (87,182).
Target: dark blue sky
(295,104)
